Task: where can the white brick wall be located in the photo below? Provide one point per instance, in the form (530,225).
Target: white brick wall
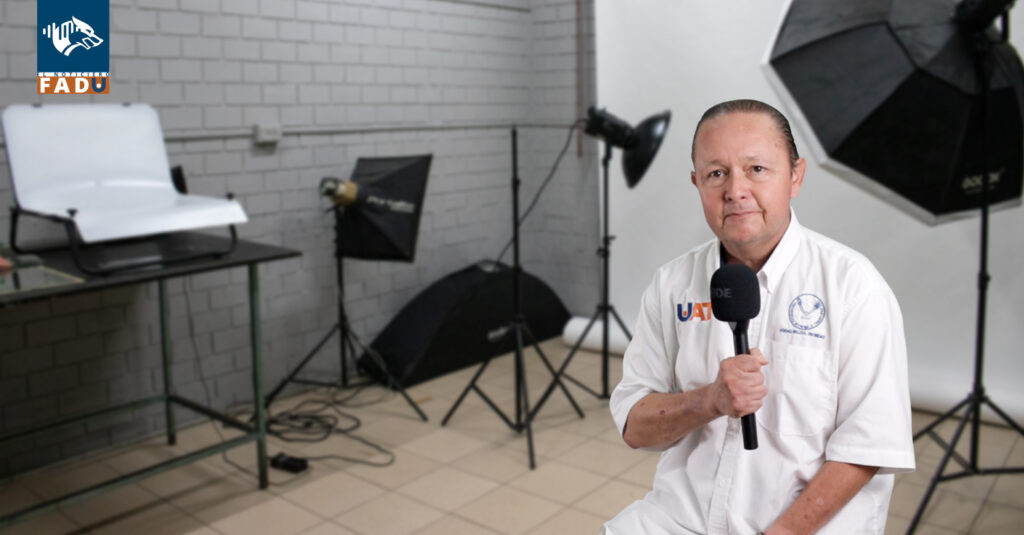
(220,66)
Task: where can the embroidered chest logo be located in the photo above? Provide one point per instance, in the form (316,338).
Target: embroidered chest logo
(806,312)
(693,311)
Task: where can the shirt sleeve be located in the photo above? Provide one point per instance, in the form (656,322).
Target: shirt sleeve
(646,365)
(873,413)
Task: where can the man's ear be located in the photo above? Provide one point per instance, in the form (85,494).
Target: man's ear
(799,168)
(693,177)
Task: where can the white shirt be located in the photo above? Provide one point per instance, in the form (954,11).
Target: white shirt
(837,390)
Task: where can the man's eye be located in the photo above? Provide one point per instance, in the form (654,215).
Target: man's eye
(757,169)
(717,173)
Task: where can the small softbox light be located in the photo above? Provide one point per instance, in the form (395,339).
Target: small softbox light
(381,220)
(888,93)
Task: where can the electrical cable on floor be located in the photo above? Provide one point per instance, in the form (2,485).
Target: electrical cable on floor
(388,393)
(295,424)
(305,425)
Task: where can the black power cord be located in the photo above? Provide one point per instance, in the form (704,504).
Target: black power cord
(316,420)
(551,174)
(298,424)
(305,425)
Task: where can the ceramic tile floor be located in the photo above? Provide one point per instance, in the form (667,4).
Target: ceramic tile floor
(469,477)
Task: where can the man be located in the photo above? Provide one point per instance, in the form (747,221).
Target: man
(827,375)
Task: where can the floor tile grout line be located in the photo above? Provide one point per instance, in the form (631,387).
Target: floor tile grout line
(121,516)
(545,519)
(102,459)
(392,491)
(992,489)
(305,508)
(164,500)
(559,507)
(187,514)
(460,517)
(498,485)
(986,499)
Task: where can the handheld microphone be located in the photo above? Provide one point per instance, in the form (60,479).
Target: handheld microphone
(736,297)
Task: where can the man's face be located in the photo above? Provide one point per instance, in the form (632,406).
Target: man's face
(745,180)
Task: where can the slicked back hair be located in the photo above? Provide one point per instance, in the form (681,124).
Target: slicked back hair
(748,106)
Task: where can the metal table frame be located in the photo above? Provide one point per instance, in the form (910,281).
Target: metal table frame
(247,253)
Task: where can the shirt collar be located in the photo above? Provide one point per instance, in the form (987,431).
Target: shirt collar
(773,269)
(783,254)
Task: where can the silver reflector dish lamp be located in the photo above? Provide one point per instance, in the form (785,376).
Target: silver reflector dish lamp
(639,145)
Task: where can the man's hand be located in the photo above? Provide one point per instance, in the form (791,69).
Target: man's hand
(739,387)
(661,419)
(829,490)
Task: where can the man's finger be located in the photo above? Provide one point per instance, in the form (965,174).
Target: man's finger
(756,353)
(749,363)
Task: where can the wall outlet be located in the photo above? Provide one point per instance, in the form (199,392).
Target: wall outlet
(267,133)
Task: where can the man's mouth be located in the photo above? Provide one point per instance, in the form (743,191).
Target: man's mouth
(741,214)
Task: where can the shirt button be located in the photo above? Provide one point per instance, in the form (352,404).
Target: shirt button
(722,483)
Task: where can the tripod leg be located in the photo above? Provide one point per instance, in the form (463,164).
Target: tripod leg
(604,353)
(565,364)
(622,324)
(305,360)
(1005,417)
(470,386)
(942,466)
(547,364)
(351,351)
(379,362)
(401,389)
(344,350)
(944,417)
(525,406)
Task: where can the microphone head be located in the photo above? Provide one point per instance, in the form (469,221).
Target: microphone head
(735,295)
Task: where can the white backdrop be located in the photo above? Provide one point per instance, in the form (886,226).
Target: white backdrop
(686,56)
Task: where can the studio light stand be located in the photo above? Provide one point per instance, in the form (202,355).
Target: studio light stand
(376,217)
(605,309)
(348,342)
(640,146)
(977,398)
(523,417)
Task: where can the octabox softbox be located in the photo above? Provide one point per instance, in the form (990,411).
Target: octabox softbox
(887,94)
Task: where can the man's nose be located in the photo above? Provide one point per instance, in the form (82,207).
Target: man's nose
(736,185)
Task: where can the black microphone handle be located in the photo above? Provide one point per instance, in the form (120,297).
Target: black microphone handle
(748,423)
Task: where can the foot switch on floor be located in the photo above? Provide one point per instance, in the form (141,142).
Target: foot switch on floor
(283,461)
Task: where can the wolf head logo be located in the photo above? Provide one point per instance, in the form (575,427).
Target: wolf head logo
(71,35)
